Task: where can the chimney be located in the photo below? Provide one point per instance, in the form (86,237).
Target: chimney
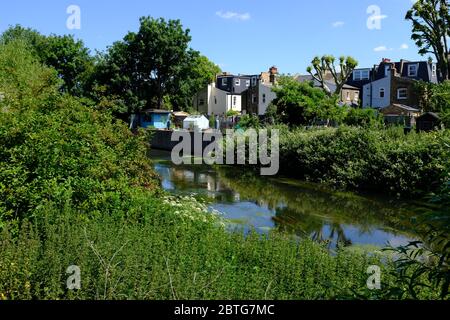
(273,71)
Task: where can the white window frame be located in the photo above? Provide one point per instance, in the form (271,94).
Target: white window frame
(247,83)
(410,66)
(384,93)
(433,70)
(237,82)
(399,90)
(224,81)
(361,75)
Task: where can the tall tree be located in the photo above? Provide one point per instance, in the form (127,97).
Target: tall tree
(325,66)
(196,74)
(143,67)
(430,31)
(68,56)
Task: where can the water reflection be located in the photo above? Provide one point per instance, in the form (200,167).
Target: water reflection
(305,210)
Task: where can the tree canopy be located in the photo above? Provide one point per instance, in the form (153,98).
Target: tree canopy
(299,103)
(68,56)
(155,67)
(431,30)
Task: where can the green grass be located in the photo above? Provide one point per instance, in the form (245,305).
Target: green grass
(165,257)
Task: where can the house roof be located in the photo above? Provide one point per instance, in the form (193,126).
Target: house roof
(331,82)
(181,114)
(155,111)
(398,106)
(429,114)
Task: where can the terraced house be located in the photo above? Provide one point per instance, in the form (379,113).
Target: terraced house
(392,83)
(245,94)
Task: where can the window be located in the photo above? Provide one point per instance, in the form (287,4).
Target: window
(201,102)
(234,101)
(254,100)
(254,81)
(360,75)
(348,95)
(356,96)
(382,92)
(264,98)
(237,82)
(247,83)
(215,100)
(412,70)
(224,81)
(433,70)
(402,94)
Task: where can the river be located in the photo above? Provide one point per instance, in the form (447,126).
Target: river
(248,201)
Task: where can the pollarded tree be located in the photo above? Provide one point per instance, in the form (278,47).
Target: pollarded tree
(326,66)
(431,29)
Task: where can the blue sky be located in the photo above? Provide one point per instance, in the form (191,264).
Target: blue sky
(242,36)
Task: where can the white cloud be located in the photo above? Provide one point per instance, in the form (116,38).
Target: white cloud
(404,47)
(380,49)
(338,24)
(233,15)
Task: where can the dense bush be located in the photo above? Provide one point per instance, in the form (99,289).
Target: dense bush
(53,149)
(363,118)
(367,159)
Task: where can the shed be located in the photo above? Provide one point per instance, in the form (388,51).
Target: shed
(154,118)
(427,122)
(196,122)
(400,114)
(179,117)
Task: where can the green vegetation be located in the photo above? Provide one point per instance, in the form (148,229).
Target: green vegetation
(430,29)
(299,104)
(69,57)
(77,188)
(368,159)
(435,98)
(152,66)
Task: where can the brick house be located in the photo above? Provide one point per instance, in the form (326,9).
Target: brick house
(393,82)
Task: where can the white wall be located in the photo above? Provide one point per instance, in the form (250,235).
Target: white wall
(217,101)
(270,96)
(376,101)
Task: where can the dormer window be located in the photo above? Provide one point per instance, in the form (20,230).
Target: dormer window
(360,75)
(237,82)
(224,81)
(254,81)
(412,70)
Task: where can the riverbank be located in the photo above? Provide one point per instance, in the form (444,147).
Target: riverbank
(78,192)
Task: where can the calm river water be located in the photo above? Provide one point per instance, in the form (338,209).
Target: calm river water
(249,201)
